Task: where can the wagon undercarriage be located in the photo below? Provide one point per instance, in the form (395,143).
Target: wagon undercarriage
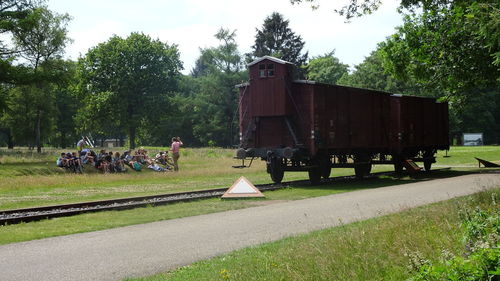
(323,162)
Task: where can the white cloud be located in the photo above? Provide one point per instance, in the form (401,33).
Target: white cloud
(191,24)
(189,40)
(98,32)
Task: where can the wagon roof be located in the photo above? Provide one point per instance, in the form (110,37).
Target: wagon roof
(276,60)
(246,84)
(311,82)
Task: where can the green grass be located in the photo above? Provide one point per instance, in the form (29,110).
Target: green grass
(464,155)
(111,219)
(40,190)
(35,183)
(28,179)
(376,249)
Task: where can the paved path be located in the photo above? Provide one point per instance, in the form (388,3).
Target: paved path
(146,249)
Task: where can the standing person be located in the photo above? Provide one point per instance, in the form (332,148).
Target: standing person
(176,144)
(80,145)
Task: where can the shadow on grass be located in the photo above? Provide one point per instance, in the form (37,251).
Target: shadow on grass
(42,168)
(383,181)
(28,169)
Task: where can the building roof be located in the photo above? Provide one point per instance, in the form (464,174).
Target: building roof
(276,60)
(305,81)
(246,84)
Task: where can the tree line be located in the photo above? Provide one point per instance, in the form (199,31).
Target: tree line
(132,88)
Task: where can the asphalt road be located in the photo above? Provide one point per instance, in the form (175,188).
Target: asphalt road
(146,249)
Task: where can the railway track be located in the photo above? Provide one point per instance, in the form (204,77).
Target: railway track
(38,213)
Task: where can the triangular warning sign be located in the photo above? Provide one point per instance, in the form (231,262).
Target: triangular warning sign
(242,188)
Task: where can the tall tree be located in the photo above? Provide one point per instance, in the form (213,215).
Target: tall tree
(181,116)
(445,49)
(449,45)
(14,15)
(125,81)
(40,42)
(481,113)
(358,8)
(216,103)
(372,74)
(31,114)
(25,102)
(326,68)
(224,58)
(44,38)
(66,104)
(277,39)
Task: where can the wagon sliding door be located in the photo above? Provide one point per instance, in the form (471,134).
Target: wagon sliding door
(272,132)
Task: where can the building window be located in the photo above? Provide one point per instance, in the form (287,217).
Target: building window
(270,70)
(262,70)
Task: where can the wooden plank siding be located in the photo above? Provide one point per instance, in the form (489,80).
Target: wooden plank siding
(341,119)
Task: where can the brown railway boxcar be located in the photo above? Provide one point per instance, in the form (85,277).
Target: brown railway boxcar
(297,125)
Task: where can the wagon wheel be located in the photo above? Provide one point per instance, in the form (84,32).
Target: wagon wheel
(360,170)
(398,164)
(427,165)
(364,169)
(314,175)
(325,172)
(275,169)
(326,167)
(398,168)
(428,162)
(368,169)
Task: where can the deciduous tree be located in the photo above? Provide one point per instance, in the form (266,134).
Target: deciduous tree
(371,74)
(216,103)
(40,42)
(14,15)
(125,81)
(326,68)
(445,49)
(358,8)
(66,104)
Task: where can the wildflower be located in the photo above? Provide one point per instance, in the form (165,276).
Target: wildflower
(224,273)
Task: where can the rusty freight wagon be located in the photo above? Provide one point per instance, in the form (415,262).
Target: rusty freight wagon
(298,125)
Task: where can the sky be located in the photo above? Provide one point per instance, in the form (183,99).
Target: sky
(192,24)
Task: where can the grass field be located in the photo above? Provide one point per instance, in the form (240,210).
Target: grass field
(29,179)
(464,155)
(376,249)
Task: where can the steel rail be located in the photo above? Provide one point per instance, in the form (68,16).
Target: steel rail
(16,216)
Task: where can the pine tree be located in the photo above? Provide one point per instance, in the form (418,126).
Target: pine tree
(278,40)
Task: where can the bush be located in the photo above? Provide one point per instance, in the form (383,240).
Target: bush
(481,259)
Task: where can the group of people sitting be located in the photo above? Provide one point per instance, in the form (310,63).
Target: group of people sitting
(109,162)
